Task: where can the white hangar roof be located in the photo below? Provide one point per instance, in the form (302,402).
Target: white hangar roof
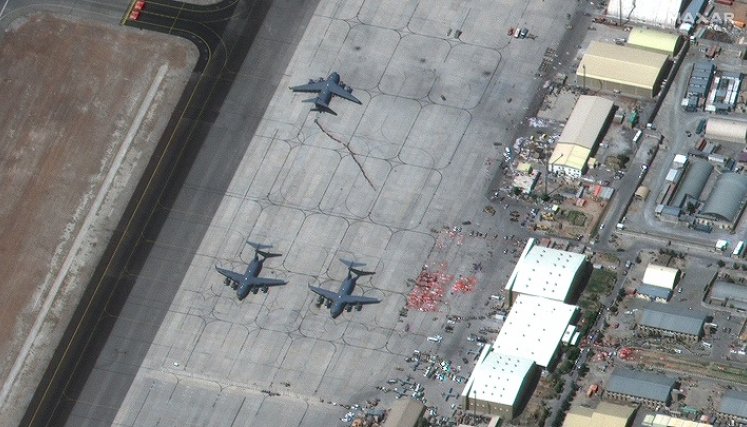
(545,272)
(534,328)
(663,277)
(497,377)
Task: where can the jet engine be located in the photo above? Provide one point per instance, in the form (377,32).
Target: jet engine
(348,308)
(265,289)
(359,307)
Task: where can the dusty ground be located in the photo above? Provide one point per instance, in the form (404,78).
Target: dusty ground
(71,92)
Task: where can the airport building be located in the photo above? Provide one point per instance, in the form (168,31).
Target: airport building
(725,203)
(535,328)
(405,413)
(547,272)
(662,13)
(606,414)
(727,294)
(499,384)
(581,135)
(660,276)
(668,321)
(655,41)
(733,406)
(643,387)
(662,420)
(613,68)
(726,130)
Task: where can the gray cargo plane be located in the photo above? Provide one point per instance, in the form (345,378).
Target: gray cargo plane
(326,88)
(340,301)
(250,280)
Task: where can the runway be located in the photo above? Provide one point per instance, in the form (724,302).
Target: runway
(376,184)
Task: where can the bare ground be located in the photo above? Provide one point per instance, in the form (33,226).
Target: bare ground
(71,90)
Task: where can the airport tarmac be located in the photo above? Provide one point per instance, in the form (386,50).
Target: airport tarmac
(371,184)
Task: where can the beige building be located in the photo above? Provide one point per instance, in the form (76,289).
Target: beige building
(581,135)
(631,71)
(605,415)
(405,413)
(655,41)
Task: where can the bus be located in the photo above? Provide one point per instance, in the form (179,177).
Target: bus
(738,249)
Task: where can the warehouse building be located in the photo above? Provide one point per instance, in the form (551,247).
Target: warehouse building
(534,329)
(581,135)
(726,202)
(644,387)
(660,276)
(655,41)
(662,420)
(698,86)
(500,384)
(547,272)
(606,414)
(653,293)
(668,321)
(726,130)
(727,294)
(631,71)
(733,406)
(662,13)
(692,183)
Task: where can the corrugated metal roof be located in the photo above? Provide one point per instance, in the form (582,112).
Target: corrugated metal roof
(695,178)
(727,197)
(674,319)
(605,415)
(654,40)
(498,377)
(728,290)
(726,129)
(622,64)
(643,384)
(654,292)
(586,121)
(734,403)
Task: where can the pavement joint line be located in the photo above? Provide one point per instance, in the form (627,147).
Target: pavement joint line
(81,235)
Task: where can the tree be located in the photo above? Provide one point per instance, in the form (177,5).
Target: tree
(721,263)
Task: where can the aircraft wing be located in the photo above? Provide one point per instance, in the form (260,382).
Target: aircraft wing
(342,93)
(356,300)
(311,87)
(236,277)
(262,282)
(324,293)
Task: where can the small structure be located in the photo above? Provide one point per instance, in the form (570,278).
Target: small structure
(645,387)
(534,329)
(727,294)
(547,272)
(723,96)
(642,192)
(654,41)
(727,130)
(606,414)
(661,420)
(668,321)
(405,413)
(499,384)
(609,67)
(733,406)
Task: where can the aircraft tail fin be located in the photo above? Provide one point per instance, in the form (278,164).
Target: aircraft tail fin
(259,248)
(352,267)
(320,106)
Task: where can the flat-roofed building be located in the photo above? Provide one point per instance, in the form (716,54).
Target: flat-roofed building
(534,329)
(727,294)
(547,272)
(654,40)
(661,420)
(661,276)
(499,384)
(653,293)
(606,414)
(668,321)
(644,387)
(609,67)
(570,160)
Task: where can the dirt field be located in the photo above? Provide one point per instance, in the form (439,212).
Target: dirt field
(71,91)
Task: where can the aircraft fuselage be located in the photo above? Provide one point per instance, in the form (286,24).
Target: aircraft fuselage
(347,287)
(252,270)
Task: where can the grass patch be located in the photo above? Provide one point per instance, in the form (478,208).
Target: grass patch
(601,282)
(576,218)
